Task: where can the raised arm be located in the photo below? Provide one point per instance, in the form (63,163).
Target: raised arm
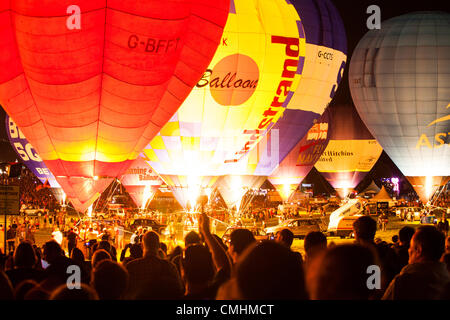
(220,257)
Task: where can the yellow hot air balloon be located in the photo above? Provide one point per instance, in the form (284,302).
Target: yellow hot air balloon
(242,94)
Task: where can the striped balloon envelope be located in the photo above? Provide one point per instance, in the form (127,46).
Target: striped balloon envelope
(400,82)
(242,94)
(91,82)
(351,151)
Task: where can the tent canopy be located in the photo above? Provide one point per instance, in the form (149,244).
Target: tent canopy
(382,196)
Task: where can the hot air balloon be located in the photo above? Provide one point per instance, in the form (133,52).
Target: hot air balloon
(323,67)
(400,83)
(239,98)
(30,158)
(91,84)
(302,158)
(34,163)
(141,182)
(351,151)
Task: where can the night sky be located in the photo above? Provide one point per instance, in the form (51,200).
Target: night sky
(353,13)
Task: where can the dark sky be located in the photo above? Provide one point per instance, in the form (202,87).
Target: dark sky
(353,13)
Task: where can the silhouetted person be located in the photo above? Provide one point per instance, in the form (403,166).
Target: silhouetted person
(78,257)
(136,252)
(266,270)
(24,265)
(72,239)
(340,273)
(6,288)
(23,288)
(82,294)
(56,273)
(197,271)
(191,238)
(152,277)
(446,259)
(364,229)
(425,277)
(315,243)
(405,234)
(100,255)
(286,238)
(110,280)
(240,239)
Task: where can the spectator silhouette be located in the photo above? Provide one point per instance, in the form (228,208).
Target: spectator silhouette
(152,277)
(110,280)
(364,229)
(424,278)
(56,273)
(286,238)
(6,288)
(100,255)
(405,234)
(240,239)
(136,252)
(24,265)
(340,273)
(78,257)
(82,294)
(315,243)
(197,271)
(266,270)
(23,288)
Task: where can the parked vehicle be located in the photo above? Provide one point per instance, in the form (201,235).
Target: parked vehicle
(300,227)
(258,233)
(32,210)
(149,224)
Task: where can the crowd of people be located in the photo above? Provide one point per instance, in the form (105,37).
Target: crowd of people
(415,265)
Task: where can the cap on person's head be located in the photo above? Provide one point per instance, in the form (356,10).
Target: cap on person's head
(432,242)
(269,270)
(197,264)
(365,228)
(192,238)
(240,239)
(151,241)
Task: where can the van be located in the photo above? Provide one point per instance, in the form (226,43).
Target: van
(341,220)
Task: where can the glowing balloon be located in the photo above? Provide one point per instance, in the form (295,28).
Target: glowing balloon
(241,95)
(28,155)
(302,158)
(323,68)
(90,89)
(140,182)
(400,83)
(351,151)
